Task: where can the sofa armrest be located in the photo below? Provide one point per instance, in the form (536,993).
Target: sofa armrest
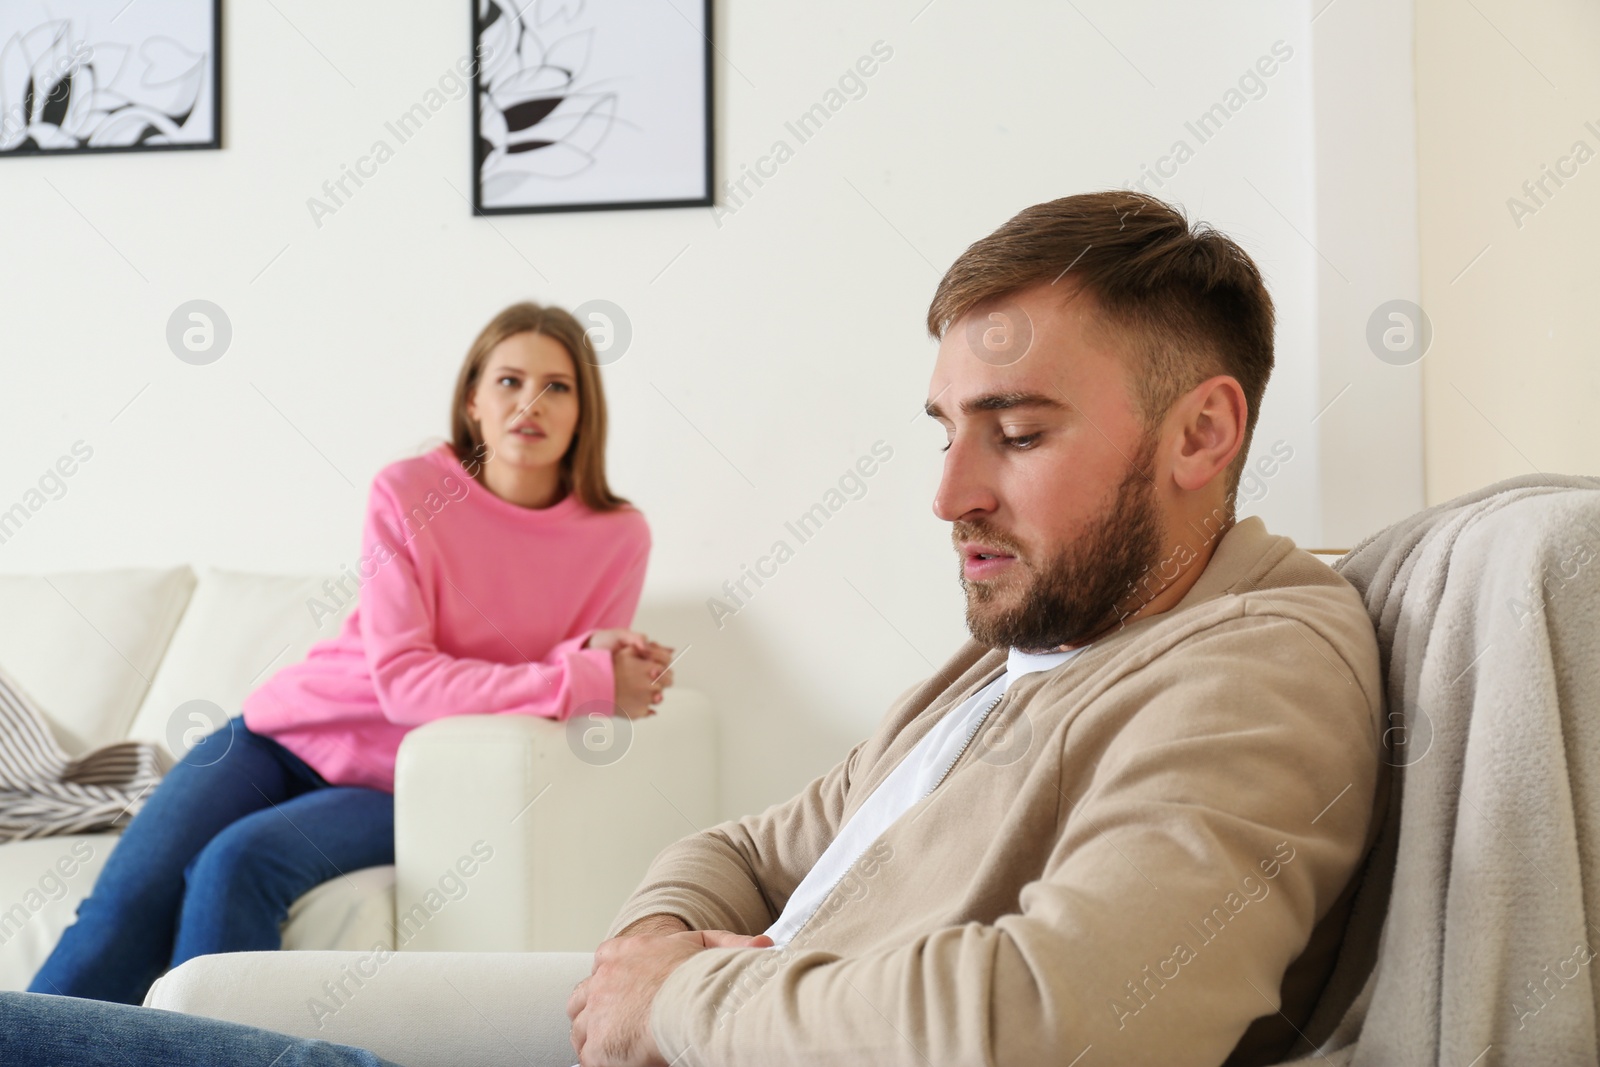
(435,1009)
(514,833)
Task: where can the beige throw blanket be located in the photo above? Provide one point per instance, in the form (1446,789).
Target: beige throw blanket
(1473,939)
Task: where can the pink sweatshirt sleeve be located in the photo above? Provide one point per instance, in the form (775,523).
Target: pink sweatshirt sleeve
(417,683)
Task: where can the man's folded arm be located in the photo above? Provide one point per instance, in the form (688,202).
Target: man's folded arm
(659,923)
(1192,863)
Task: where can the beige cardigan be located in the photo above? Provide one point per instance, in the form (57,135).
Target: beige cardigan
(1141,857)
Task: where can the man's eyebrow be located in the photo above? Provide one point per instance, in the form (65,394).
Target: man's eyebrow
(997,402)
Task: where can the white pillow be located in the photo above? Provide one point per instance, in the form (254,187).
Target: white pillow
(239,629)
(86,645)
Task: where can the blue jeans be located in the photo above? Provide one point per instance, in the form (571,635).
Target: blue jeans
(212,862)
(40,1031)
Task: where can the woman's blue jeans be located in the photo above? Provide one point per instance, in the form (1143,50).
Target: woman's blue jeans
(212,862)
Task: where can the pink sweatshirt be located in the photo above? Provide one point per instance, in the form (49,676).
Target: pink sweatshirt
(470,605)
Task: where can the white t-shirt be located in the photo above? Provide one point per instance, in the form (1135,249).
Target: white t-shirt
(914,778)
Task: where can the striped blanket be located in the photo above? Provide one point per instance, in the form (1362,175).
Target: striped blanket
(43,792)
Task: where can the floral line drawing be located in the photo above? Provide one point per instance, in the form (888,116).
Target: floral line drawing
(537,118)
(60,92)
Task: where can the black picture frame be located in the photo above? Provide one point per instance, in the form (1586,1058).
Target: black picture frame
(706,196)
(63,10)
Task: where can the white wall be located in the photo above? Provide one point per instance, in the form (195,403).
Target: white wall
(772,347)
(1366,255)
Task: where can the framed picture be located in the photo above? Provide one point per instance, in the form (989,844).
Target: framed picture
(581,105)
(109,76)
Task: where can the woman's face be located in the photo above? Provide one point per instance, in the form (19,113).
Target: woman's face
(526,401)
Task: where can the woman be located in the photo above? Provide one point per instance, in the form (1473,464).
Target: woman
(497,575)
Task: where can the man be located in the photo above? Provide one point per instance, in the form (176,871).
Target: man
(1144,847)
(1119,825)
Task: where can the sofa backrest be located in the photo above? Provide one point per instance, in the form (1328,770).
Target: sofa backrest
(239,628)
(114,653)
(85,645)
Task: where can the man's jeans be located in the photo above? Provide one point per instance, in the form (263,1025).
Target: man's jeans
(43,1031)
(232,836)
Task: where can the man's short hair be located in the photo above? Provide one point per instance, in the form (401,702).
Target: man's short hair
(1185,303)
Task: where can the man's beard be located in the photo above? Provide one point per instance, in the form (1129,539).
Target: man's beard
(1083,590)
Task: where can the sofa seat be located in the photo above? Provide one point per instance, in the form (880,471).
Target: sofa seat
(41,883)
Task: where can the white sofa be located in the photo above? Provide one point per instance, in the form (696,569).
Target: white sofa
(114,654)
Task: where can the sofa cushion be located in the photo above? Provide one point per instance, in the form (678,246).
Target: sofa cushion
(85,645)
(41,883)
(238,629)
(353,912)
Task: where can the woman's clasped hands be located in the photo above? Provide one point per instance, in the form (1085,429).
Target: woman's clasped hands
(641,668)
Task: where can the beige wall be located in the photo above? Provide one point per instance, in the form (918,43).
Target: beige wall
(1511,384)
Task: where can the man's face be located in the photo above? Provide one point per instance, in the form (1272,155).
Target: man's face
(1049,478)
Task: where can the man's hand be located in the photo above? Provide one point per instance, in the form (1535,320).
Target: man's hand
(610,1009)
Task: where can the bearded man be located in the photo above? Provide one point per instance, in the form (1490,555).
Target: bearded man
(1123,817)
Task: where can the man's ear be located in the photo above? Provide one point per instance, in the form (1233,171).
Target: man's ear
(1211,421)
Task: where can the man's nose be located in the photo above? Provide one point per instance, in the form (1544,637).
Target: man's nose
(964,491)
